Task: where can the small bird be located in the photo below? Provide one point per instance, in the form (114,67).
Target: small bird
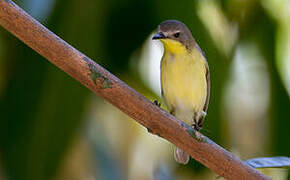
(185,79)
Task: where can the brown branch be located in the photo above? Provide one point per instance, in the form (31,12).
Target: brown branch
(103,83)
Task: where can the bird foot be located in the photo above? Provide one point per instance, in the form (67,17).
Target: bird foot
(198,120)
(157,103)
(196,127)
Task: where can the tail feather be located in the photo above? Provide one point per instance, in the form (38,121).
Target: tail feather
(180,156)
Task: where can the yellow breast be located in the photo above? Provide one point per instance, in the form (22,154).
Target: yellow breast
(183,78)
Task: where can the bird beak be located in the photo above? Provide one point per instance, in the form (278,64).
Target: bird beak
(159,35)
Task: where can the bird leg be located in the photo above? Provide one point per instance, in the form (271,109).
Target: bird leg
(198,120)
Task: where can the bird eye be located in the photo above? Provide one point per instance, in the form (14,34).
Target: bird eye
(176,35)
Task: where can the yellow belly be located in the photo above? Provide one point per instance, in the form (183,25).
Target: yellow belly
(183,82)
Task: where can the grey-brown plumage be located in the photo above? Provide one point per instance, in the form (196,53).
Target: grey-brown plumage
(176,30)
(170,28)
(185,78)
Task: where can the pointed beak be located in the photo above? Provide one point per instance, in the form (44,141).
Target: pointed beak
(159,35)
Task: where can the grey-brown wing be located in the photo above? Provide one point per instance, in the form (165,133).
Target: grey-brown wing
(208,88)
(201,118)
(207,79)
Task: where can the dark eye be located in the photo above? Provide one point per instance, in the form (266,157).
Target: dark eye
(176,35)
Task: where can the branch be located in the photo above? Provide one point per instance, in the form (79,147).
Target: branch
(106,85)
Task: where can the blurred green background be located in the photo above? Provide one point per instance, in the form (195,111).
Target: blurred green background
(51,127)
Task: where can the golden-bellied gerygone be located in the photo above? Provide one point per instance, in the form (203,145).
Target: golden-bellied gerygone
(185,80)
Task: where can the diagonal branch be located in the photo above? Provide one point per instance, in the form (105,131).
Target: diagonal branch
(103,83)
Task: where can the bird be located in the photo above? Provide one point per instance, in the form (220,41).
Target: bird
(185,77)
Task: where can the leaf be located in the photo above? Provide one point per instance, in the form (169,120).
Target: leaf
(269,162)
